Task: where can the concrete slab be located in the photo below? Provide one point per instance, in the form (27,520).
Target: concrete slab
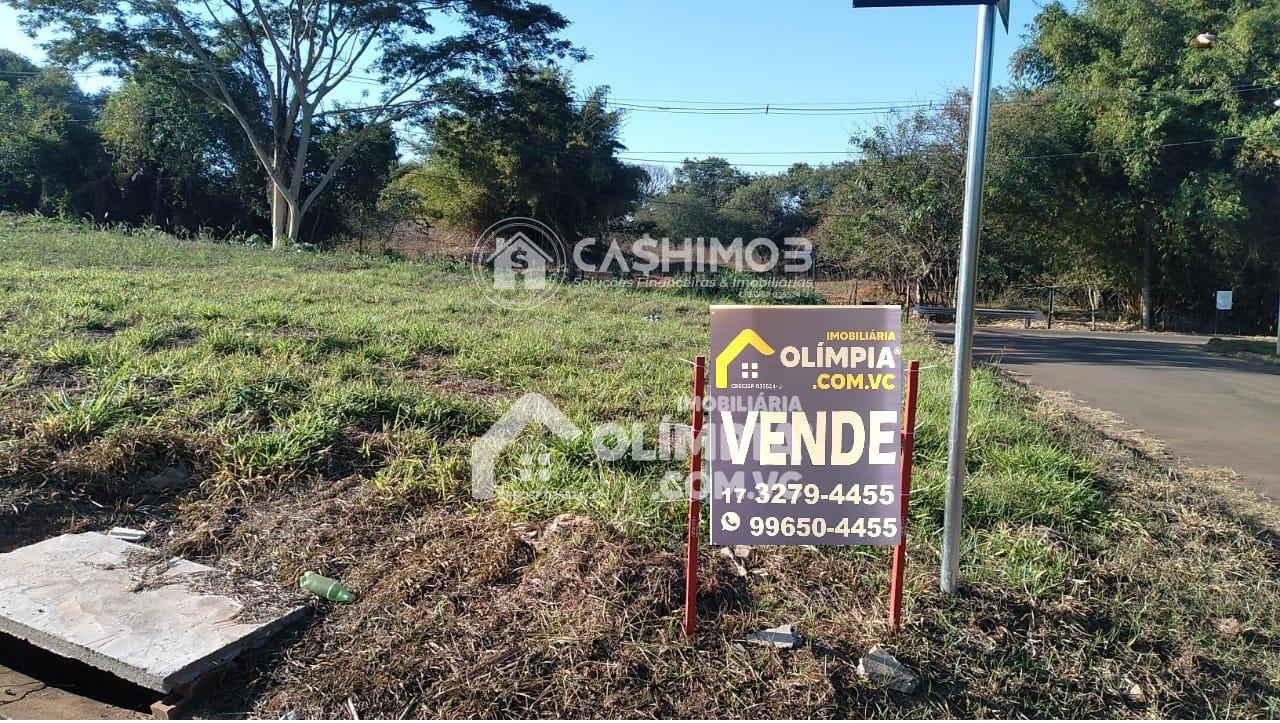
(156,621)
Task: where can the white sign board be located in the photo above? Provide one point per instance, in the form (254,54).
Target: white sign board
(1224,301)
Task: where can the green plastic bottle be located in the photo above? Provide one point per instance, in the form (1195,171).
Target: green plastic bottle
(325,587)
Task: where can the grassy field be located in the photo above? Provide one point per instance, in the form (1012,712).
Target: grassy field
(324,406)
(1260,350)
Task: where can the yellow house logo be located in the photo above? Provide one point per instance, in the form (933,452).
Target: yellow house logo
(751,370)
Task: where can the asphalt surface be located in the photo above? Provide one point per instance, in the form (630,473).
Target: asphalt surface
(1213,411)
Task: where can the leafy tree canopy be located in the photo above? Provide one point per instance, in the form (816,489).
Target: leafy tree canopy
(271,65)
(530,149)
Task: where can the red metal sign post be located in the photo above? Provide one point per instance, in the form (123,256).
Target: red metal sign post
(695,500)
(908,447)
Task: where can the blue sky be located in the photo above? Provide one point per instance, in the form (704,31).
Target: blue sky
(765,51)
(750,52)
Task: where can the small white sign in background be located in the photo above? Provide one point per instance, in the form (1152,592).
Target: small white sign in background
(1224,301)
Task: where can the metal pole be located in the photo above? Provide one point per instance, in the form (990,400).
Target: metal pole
(898,571)
(1278,329)
(964,295)
(695,500)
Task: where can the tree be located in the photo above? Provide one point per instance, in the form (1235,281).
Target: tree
(657,180)
(711,198)
(692,205)
(899,214)
(784,204)
(178,161)
(711,179)
(1182,140)
(1048,214)
(349,204)
(530,149)
(49,154)
(272,64)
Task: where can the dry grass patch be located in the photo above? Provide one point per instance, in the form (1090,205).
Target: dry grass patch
(324,406)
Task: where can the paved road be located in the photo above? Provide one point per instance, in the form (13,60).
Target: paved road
(1212,410)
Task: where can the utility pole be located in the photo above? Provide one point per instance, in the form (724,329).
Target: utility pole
(966,288)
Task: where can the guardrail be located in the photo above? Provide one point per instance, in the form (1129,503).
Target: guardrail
(948,313)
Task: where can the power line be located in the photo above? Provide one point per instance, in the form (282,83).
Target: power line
(630,157)
(795,108)
(1102,151)
(792,109)
(854,104)
(73,73)
(831,214)
(208,113)
(805,106)
(759,106)
(769,109)
(856,108)
(1105,151)
(705,161)
(938,99)
(741,153)
(658,201)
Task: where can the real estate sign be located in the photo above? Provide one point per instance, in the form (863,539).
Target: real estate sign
(803,418)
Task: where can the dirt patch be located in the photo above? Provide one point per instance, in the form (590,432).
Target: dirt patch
(432,369)
(460,612)
(855,291)
(1271,359)
(463,613)
(94,486)
(96,334)
(419,241)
